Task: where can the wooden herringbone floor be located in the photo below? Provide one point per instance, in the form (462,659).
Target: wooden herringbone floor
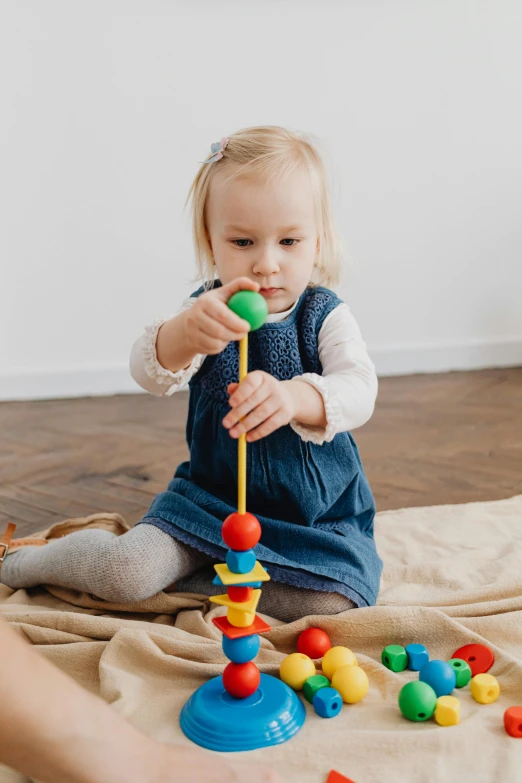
(448,438)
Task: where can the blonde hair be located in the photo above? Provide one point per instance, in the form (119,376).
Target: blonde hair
(271,152)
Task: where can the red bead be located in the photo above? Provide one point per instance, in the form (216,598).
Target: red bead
(240,594)
(241,679)
(313,642)
(241,531)
(479,657)
(513,721)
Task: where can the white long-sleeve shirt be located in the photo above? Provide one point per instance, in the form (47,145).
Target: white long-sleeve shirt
(348,383)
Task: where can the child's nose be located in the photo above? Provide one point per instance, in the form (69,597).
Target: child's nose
(266,264)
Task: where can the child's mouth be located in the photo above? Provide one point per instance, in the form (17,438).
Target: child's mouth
(269,291)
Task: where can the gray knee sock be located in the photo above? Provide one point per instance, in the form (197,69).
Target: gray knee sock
(131,567)
(279,600)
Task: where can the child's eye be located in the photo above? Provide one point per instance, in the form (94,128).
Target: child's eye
(242,242)
(289,242)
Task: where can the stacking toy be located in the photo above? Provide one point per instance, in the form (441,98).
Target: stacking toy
(313,642)
(314,684)
(394,657)
(327,703)
(242,709)
(336,657)
(447,711)
(295,669)
(513,721)
(417,701)
(351,682)
(440,676)
(417,656)
(484,688)
(462,671)
(479,657)
(336,777)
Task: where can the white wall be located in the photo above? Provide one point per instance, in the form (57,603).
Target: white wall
(108,105)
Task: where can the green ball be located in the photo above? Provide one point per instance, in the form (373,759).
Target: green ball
(250,306)
(462,671)
(417,700)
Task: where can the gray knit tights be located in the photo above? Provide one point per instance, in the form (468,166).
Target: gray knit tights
(141,563)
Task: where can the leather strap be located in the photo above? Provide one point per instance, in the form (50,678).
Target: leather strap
(6,540)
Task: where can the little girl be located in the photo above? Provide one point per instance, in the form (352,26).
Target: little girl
(262,221)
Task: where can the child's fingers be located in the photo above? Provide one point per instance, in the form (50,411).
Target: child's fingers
(257,398)
(258,416)
(219,313)
(239,284)
(247,387)
(218,331)
(272,424)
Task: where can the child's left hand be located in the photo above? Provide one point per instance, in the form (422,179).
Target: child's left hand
(264,404)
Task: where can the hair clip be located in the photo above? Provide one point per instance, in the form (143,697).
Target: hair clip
(216,151)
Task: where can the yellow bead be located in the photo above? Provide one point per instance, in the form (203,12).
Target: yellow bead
(447,711)
(351,682)
(484,688)
(336,657)
(295,669)
(240,618)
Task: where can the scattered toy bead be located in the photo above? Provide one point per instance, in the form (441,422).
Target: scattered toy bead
(417,656)
(447,711)
(313,642)
(479,657)
(241,531)
(327,702)
(484,688)
(241,650)
(394,657)
(241,562)
(241,679)
(351,682)
(513,721)
(440,676)
(251,306)
(336,657)
(239,594)
(417,701)
(296,669)
(314,684)
(462,671)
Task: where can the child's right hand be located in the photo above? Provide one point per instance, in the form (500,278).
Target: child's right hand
(209,325)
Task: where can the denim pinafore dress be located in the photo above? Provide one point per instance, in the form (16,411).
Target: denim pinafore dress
(314,502)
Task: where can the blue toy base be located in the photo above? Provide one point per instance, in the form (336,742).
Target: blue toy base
(215,720)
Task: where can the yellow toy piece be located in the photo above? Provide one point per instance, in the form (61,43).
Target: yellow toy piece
(296,669)
(257,574)
(447,711)
(484,688)
(352,683)
(239,618)
(244,606)
(336,657)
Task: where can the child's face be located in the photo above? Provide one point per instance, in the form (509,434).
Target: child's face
(264,231)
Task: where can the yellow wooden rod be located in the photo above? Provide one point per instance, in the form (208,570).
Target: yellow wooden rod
(241,446)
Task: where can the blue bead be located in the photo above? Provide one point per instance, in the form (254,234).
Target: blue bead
(440,676)
(241,562)
(327,702)
(243,649)
(417,656)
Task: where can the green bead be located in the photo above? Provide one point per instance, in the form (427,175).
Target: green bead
(417,700)
(395,657)
(314,684)
(250,306)
(462,671)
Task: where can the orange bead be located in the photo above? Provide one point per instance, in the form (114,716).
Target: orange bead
(241,531)
(513,721)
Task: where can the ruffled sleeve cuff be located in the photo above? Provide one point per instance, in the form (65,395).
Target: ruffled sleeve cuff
(318,435)
(169,381)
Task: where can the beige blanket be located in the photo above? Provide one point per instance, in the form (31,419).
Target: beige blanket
(453,575)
